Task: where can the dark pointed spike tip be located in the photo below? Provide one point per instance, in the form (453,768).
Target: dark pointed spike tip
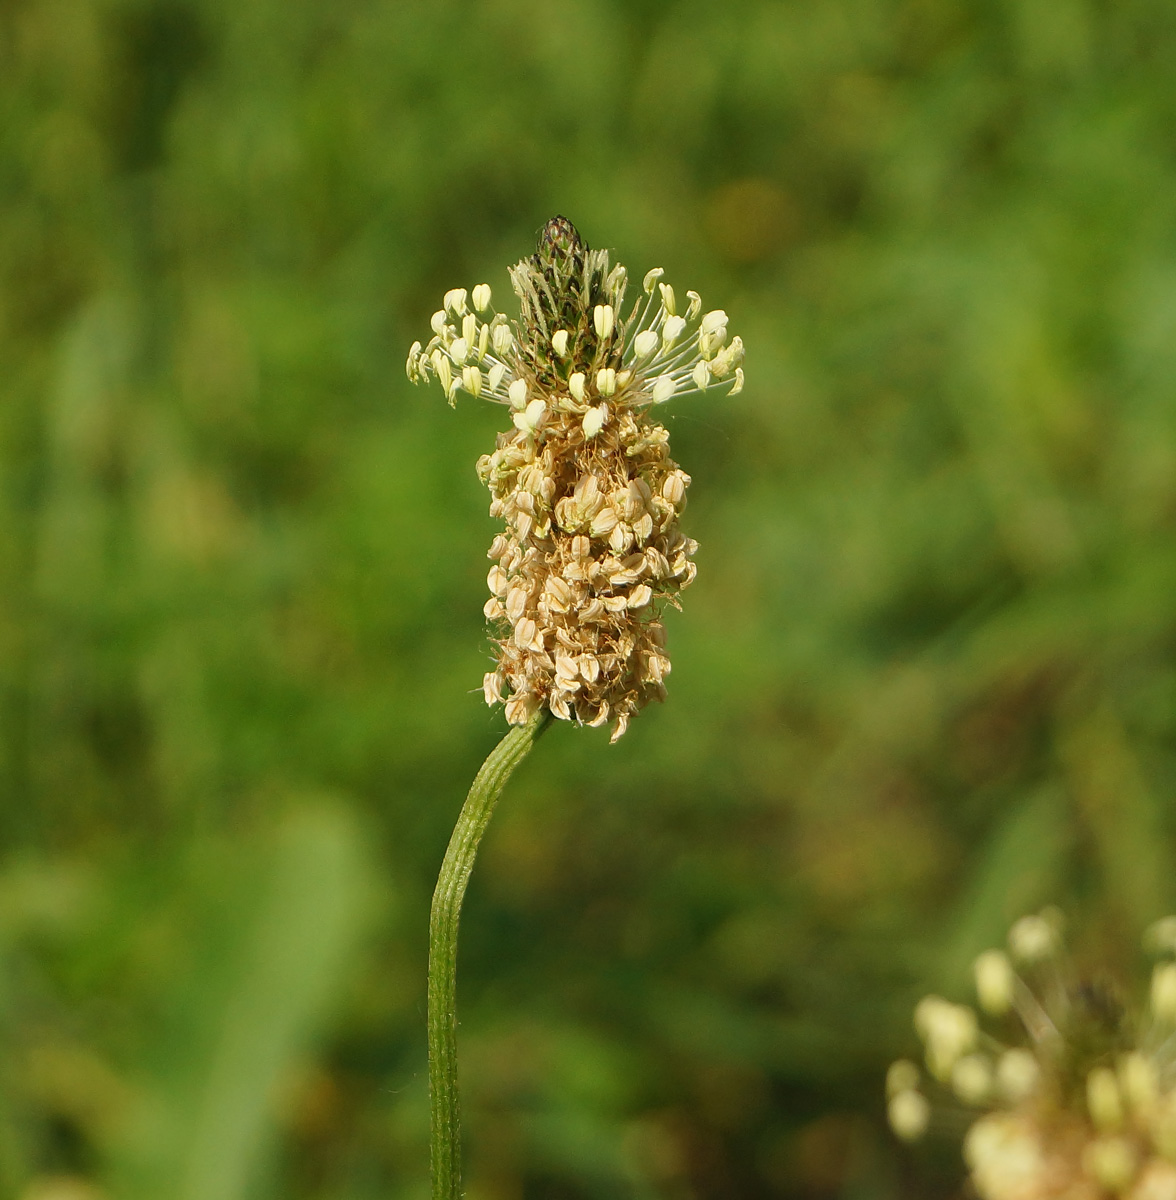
(559,238)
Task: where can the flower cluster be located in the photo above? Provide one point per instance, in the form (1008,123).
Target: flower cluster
(1085,1107)
(583,481)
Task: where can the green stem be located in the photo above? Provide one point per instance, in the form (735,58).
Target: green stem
(445,1110)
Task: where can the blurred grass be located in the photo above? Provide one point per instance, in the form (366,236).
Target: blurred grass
(924,682)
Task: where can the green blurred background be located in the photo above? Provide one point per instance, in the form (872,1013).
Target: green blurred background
(924,683)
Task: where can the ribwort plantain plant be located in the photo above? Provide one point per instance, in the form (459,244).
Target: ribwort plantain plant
(591,548)
(1072,1095)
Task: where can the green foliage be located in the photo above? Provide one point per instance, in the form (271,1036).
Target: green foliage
(923,683)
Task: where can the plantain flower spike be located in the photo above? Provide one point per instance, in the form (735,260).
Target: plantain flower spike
(1073,1094)
(583,480)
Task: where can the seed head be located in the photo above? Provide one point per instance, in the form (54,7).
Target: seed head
(583,482)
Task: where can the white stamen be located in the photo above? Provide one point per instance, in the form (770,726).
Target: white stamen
(663,389)
(644,344)
(594,420)
(471,380)
(673,330)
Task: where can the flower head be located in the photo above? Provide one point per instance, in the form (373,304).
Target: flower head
(583,481)
(1085,1109)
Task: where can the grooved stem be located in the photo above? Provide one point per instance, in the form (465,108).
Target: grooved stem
(445,1109)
